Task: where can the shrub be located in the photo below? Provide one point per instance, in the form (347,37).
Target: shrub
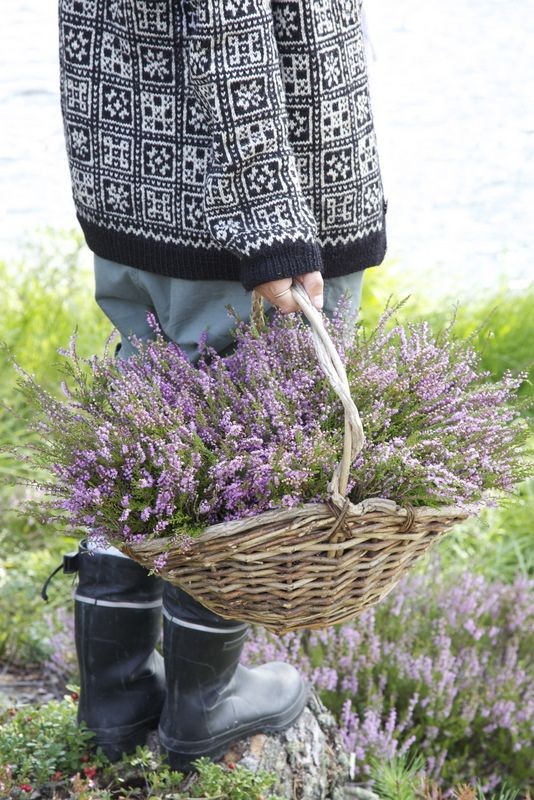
(442,667)
(38,743)
(156,445)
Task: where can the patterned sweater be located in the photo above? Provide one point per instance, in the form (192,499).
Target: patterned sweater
(222,139)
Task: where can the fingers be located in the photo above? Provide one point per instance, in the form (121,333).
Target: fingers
(314,287)
(278,293)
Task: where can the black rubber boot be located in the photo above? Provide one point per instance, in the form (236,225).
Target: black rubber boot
(212,700)
(117,627)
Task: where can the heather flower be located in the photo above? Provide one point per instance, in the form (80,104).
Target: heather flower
(443,667)
(155,446)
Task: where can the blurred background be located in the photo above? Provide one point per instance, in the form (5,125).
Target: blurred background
(452,94)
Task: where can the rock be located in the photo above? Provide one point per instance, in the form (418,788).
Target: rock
(360,793)
(308,758)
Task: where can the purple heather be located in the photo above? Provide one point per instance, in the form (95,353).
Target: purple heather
(155,445)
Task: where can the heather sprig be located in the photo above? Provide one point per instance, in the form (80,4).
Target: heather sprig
(155,445)
(438,431)
(443,667)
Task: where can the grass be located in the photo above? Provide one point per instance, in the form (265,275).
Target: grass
(498,543)
(46,296)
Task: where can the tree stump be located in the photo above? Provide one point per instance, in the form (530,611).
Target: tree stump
(308,758)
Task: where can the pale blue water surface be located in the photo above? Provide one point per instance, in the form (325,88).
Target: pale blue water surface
(453,98)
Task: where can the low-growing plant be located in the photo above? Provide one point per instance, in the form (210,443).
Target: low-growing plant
(211,781)
(43,749)
(24,630)
(442,667)
(396,778)
(231,782)
(40,744)
(157,777)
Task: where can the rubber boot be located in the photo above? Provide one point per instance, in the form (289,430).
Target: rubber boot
(212,700)
(117,626)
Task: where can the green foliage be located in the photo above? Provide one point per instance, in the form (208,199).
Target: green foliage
(209,781)
(30,551)
(498,543)
(36,743)
(157,777)
(403,778)
(24,628)
(506,792)
(45,747)
(217,781)
(45,295)
(396,778)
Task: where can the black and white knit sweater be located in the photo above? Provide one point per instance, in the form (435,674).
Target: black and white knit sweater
(222,138)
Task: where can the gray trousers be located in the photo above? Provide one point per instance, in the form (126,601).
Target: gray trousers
(185,309)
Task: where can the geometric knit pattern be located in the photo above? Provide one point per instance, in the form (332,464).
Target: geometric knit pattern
(235,125)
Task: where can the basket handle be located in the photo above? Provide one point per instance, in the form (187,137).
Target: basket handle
(332,366)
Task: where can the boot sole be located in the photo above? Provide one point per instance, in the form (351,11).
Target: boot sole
(180,755)
(122,741)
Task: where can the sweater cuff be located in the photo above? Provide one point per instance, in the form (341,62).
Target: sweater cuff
(283,261)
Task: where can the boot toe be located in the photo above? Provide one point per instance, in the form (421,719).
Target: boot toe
(287,694)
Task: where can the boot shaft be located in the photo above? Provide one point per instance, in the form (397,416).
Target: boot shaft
(111,579)
(212,700)
(117,616)
(201,649)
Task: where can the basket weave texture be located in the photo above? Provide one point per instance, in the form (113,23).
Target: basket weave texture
(310,566)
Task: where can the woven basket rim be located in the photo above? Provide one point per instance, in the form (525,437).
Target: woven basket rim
(320,541)
(228,529)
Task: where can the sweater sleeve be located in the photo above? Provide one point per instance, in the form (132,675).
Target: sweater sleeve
(253,199)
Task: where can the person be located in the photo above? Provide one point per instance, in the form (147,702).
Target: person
(214,147)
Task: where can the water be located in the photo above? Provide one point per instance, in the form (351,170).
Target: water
(454,106)
(34,180)
(454,112)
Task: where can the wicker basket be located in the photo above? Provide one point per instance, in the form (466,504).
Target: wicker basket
(314,565)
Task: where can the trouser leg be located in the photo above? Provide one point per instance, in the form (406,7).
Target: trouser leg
(185,309)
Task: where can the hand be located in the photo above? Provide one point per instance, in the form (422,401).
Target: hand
(278,293)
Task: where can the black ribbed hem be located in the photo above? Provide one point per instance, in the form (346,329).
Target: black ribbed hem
(343,259)
(169,259)
(201,263)
(281,261)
